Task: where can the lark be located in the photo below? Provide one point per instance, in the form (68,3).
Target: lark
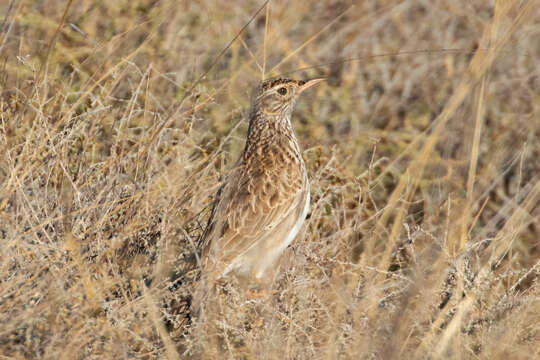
(264,200)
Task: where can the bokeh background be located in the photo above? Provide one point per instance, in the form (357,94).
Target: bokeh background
(119,118)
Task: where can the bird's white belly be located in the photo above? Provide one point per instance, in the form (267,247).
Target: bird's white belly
(255,262)
(277,251)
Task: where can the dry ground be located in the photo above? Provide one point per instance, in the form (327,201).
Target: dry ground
(423,237)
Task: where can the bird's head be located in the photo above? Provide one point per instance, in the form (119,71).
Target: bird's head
(276,97)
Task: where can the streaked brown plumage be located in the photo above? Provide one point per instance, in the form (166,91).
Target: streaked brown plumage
(265,198)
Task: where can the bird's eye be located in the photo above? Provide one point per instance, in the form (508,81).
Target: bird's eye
(282,91)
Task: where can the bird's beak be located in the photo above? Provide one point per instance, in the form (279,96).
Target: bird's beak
(309,84)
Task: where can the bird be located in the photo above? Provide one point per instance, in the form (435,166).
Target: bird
(264,199)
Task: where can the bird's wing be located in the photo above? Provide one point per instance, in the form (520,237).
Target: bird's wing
(252,204)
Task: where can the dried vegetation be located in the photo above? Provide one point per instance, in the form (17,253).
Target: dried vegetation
(422,241)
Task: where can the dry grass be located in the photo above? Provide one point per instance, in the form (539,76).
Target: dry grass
(423,235)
